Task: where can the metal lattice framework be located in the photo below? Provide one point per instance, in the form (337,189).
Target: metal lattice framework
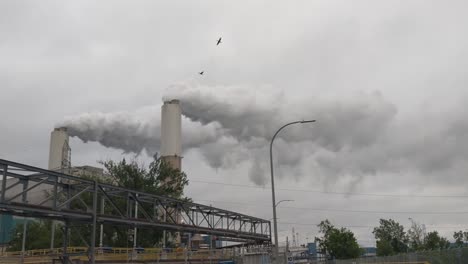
(73,199)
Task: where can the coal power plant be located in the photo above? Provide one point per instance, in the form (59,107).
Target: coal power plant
(170,142)
(35,194)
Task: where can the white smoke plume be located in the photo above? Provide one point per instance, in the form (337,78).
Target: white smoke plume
(246,113)
(354,136)
(249,116)
(135,131)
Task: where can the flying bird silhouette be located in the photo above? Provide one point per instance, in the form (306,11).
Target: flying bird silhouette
(201,73)
(219,41)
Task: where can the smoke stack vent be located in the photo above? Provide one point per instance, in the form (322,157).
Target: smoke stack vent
(171,133)
(59,151)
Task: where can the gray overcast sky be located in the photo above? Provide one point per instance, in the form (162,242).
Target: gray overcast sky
(386,80)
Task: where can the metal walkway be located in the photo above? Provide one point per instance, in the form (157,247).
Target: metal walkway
(75,200)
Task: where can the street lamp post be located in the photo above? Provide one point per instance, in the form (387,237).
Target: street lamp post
(275,224)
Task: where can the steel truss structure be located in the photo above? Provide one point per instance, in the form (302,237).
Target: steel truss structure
(75,200)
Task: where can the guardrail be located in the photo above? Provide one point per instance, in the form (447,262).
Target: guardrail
(442,256)
(43,256)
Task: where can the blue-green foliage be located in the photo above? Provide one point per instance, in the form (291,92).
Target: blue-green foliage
(7,225)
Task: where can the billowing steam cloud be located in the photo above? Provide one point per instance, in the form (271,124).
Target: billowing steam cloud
(354,136)
(246,115)
(136,131)
(130,132)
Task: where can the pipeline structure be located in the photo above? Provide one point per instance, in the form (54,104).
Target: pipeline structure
(75,200)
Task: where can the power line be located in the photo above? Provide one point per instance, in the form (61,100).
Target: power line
(267,188)
(309,224)
(377,212)
(254,204)
(365,226)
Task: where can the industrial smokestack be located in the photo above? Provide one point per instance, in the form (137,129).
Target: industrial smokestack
(171,144)
(59,151)
(171,133)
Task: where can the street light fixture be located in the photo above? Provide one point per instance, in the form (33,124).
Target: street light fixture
(275,224)
(283,201)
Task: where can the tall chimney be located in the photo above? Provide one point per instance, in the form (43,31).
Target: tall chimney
(171,133)
(59,151)
(171,146)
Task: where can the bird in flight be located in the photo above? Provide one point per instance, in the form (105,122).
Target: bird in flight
(201,73)
(219,42)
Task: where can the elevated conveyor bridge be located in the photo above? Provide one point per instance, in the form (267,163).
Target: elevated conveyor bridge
(76,200)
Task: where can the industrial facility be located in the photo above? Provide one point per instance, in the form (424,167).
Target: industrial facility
(60,160)
(35,193)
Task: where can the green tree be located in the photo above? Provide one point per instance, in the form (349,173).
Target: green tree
(38,235)
(384,248)
(391,238)
(444,243)
(465,235)
(459,238)
(416,235)
(160,178)
(433,241)
(338,243)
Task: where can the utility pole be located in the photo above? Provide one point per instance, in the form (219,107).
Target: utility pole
(52,236)
(25,224)
(23,243)
(135,229)
(294,237)
(164,232)
(101,231)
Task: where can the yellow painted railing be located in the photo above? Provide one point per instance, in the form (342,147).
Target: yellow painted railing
(410,262)
(42,256)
